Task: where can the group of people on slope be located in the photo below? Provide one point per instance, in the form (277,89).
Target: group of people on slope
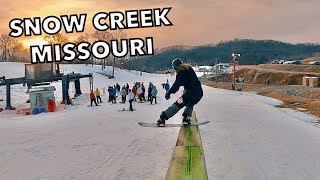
(95,97)
(185,77)
(136,93)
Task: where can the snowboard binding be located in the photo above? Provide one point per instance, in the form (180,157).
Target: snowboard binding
(186,121)
(162,121)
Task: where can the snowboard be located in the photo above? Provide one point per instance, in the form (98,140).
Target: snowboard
(155,125)
(125,109)
(93,105)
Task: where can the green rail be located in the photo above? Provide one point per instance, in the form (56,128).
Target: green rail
(188,160)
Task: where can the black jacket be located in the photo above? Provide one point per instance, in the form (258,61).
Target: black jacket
(187,78)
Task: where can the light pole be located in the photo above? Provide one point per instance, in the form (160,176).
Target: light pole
(216,69)
(234,63)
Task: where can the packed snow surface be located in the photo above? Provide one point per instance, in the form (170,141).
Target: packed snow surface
(247,138)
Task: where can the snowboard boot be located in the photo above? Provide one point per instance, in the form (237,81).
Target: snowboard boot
(162,121)
(186,121)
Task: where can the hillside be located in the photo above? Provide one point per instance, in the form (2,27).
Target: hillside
(252,52)
(311,59)
(278,74)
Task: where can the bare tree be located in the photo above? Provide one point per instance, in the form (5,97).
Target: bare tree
(5,42)
(56,39)
(86,38)
(102,36)
(117,35)
(17,51)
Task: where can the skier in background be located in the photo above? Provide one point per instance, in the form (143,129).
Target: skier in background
(93,98)
(131,98)
(154,94)
(192,93)
(98,96)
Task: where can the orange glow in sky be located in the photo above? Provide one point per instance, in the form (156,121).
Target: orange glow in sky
(34,41)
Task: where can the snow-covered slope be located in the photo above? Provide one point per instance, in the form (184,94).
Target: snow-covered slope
(247,138)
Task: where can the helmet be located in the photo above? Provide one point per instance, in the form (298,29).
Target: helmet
(176,63)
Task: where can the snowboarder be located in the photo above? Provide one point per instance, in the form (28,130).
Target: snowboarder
(98,96)
(131,98)
(154,94)
(93,98)
(192,93)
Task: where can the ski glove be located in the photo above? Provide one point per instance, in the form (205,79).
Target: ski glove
(167,96)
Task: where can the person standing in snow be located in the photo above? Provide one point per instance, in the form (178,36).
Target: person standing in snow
(127,88)
(134,91)
(193,93)
(167,86)
(98,96)
(123,94)
(154,94)
(139,91)
(110,93)
(113,93)
(131,98)
(149,91)
(143,92)
(93,99)
(118,88)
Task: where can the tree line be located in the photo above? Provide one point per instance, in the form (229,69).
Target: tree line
(12,50)
(252,52)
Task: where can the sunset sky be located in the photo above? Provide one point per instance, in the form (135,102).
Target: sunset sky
(195,22)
